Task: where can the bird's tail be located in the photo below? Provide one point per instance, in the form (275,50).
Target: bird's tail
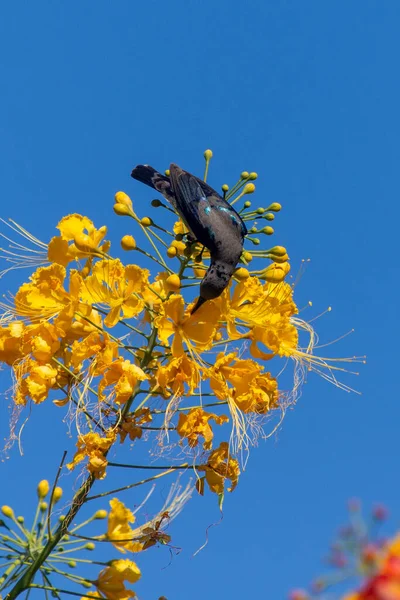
(149,176)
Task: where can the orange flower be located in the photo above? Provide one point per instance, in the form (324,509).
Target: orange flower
(220,466)
(251,389)
(196,331)
(111,580)
(173,376)
(93,447)
(119,532)
(79,238)
(123,376)
(196,423)
(118,287)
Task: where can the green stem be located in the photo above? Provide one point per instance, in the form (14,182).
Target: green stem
(56,590)
(182,466)
(78,500)
(130,486)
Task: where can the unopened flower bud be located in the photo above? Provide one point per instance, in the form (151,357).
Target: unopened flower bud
(156,203)
(20,519)
(43,506)
(249,188)
(208,154)
(86,584)
(173,283)
(122,198)
(84,243)
(43,488)
(72,564)
(199,272)
(241,274)
(260,210)
(253,175)
(180,246)
(269,216)
(128,242)
(254,241)
(172,252)
(244,175)
(122,210)
(90,546)
(167,172)
(267,230)
(278,250)
(247,204)
(7,511)
(146,222)
(225,187)
(253,230)
(278,259)
(247,256)
(275,207)
(275,273)
(100,514)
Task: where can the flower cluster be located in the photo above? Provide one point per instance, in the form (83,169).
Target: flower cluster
(360,553)
(117,347)
(20,545)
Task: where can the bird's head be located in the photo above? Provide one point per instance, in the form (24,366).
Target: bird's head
(213,284)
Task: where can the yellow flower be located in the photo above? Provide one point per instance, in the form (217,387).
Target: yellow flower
(93,447)
(96,346)
(45,298)
(33,380)
(77,234)
(119,287)
(132,425)
(198,329)
(173,376)
(123,376)
(86,348)
(110,581)
(251,391)
(156,292)
(11,342)
(119,531)
(196,423)
(220,466)
(41,341)
(179,228)
(123,537)
(255,304)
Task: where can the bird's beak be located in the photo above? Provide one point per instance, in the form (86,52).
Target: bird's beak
(199,303)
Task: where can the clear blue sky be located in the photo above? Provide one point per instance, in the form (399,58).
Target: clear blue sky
(306,94)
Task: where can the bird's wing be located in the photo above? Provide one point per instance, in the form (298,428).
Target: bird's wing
(214,223)
(223,205)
